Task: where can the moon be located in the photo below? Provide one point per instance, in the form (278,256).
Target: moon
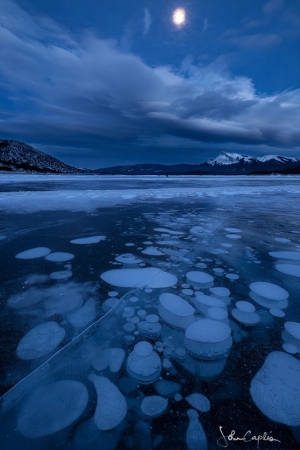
(178,17)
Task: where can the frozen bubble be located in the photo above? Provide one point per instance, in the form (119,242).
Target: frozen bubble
(2,237)
(152,251)
(195,435)
(232,276)
(61,275)
(233,230)
(187,291)
(167,364)
(275,389)
(112,293)
(40,341)
(207,330)
(83,316)
(129,327)
(185,286)
(151,277)
(154,405)
(290,348)
(289,269)
(217,313)
(204,302)
(130,244)
(226,245)
(201,265)
(142,313)
(135,319)
(109,304)
(200,279)
(62,301)
(143,349)
(247,318)
(134,299)
(37,252)
(175,311)
(178,397)
(52,408)
(196,231)
(59,257)
(152,318)
(220,291)
(245,306)
(128,258)
(27,298)
(147,242)
(277,312)
(218,271)
(282,240)
(149,330)
(295,256)
(111,407)
(233,236)
(148,291)
(167,388)
(88,240)
(293,328)
(199,401)
(147,368)
(165,230)
(269,290)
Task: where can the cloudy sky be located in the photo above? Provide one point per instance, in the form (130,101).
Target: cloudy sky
(105,82)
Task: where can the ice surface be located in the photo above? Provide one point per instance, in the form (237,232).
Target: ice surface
(275,389)
(154,405)
(59,257)
(199,401)
(111,407)
(40,341)
(67,398)
(151,277)
(37,252)
(88,240)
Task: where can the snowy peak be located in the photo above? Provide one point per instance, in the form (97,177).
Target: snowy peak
(281,159)
(225,159)
(16,156)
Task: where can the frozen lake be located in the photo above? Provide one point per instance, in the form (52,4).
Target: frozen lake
(148,312)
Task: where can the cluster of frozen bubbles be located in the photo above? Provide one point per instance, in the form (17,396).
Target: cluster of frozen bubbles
(160,332)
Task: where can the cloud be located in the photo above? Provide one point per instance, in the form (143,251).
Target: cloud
(147,21)
(256,41)
(65,90)
(272,5)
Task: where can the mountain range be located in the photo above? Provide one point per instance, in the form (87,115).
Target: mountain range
(16,156)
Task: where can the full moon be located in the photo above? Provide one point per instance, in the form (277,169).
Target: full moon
(179,17)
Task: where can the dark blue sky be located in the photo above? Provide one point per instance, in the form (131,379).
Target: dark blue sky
(97,83)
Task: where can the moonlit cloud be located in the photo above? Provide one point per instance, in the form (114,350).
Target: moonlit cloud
(67,90)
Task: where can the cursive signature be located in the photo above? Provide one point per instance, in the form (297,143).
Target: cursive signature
(223,440)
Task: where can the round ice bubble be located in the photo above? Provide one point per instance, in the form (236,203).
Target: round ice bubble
(217,313)
(152,251)
(293,328)
(143,349)
(59,257)
(289,269)
(269,290)
(37,252)
(199,401)
(154,405)
(290,348)
(245,306)
(175,311)
(40,340)
(88,240)
(295,256)
(128,258)
(207,330)
(36,418)
(220,291)
(151,277)
(275,389)
(233,230)
(196,277)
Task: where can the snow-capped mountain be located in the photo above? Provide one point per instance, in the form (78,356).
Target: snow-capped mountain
(225,159)
(16,156)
